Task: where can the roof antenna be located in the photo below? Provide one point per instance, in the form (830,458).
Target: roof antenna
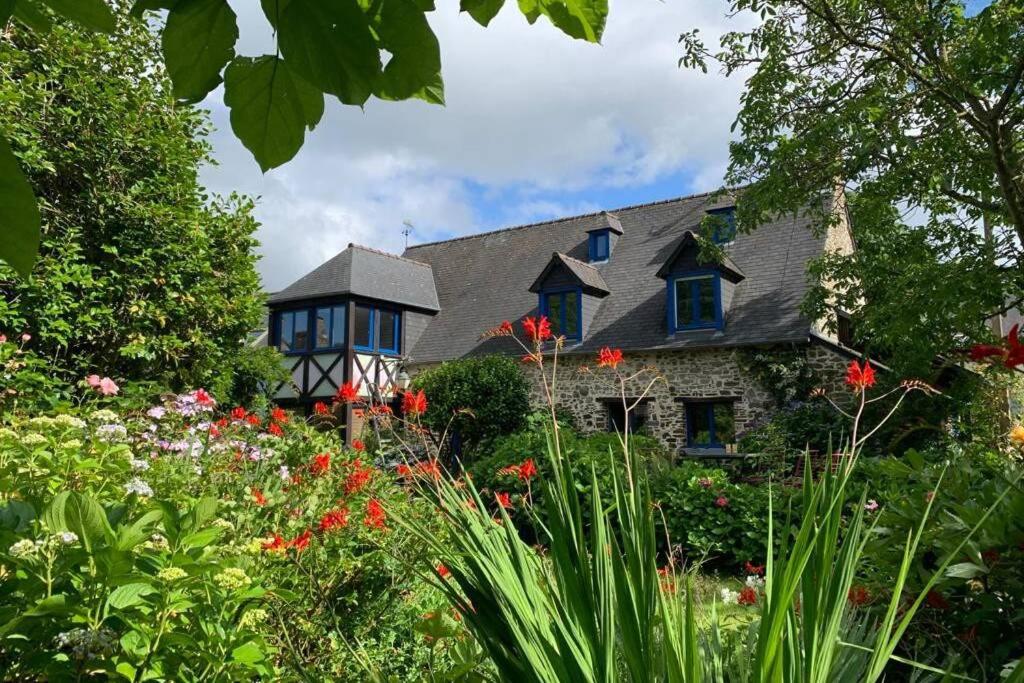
(408,229)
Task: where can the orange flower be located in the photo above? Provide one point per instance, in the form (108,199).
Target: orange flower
(358,445)
(258,497)
(609,358)
(276,544)
(334,519)
(375,515)
(320,408)
(253,420)
(321,463)
(301,542)
(503,500)
(275,429)
(358,478)
(278,415)
(238,413)
(537,329)
(860,377)
(347,393)
(414,404)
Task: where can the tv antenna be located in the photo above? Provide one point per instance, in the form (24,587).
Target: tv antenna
(408,230)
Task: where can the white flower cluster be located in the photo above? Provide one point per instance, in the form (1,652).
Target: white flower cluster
(70,421)
(26,547)
(104,415)
(730,597)
(156,542)
(139,465)
(112,433)
(754,581)
(85,643)
(138,487)
(33,439)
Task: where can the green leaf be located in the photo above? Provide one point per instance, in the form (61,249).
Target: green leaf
(130,536)
(415,54)
(93,14)
(129,595)
(582,19)
(330,45)
(19,214)
(482,11)
(141,6)
(965,570)
(270,108)
(202,538)
(248,653)
(30,15)
(202,513)
(73,511)
(198,41)
(55,604)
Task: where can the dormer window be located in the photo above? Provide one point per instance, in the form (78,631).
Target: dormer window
(723,228)
(600,246)
(564,310)
(695,301)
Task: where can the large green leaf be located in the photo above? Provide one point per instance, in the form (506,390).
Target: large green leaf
(329,44)
(129,595)
(27,13)
(94,14)
(582,19)
(19,214)
(482,11)
(415,54)
(270,108)
(73,511)
(198,41)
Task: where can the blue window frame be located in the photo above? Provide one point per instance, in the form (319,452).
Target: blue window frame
(695,301)
(724,230)
(377,330)
(293,331)
(564,308)
(710,424)
(330,327)
(599,246)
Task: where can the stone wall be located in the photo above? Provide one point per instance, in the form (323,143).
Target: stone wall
(584,390)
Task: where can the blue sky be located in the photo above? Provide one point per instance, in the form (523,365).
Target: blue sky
(536,126)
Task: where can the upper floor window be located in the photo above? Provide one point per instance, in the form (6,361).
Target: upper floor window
(695,301)
(724,227)
(330,327)
(377,330)
(564,310)
(600,246)
(293,331)
(710,424)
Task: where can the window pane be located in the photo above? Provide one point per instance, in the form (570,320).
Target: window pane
(725,423)
(323,328)
(363,333)
(699,417)
(706,289)
(616,417)
(572,320)
(554,307)
(301,330)
(684,303)
(388,331)
(287,329)
(338,326)
(599,247)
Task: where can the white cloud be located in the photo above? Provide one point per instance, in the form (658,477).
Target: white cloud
(530,113)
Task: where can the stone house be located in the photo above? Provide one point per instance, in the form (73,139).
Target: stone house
(630,278)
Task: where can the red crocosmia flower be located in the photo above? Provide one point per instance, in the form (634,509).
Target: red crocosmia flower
(203,398)
(275,545)
(358,478)
(321,463)
(1015,350)
(609,358)
(404,471)
(258,497)
(278,415)
(358,445)
(214,432)
(254,420)
(222,423)
(722,501)
(381,409)
(275,429)
(301,542)
(531,358)
(527,470)
(414,404)
(320,408)
(333,520)
(747,596)
(443,571)
(347,393)
(858,596)
(755,569)
(505,327)
(503,500)
(980,352)
(238,413)
(537,330)
(860,377)
(375,515)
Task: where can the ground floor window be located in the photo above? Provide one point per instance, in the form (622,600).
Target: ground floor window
(616,416)
(710,424)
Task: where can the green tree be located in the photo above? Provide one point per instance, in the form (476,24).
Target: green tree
(141,275)
(917,107)
(352,49)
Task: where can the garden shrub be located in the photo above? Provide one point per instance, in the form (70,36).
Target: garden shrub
(481,398)
(141,275)
(254,543)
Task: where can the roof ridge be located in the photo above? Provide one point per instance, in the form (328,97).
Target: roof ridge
(353,245)
(571,258)
(591,214)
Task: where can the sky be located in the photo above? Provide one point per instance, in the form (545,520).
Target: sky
(536,126)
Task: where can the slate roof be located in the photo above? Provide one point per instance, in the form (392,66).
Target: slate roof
(484,279)
(587,275)
(365,272)
(689,240)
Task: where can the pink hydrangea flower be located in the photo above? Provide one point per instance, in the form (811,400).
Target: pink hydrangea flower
(93,381)
(3,338)
(26,337)
(108,387)
(721,501)
(871,505)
